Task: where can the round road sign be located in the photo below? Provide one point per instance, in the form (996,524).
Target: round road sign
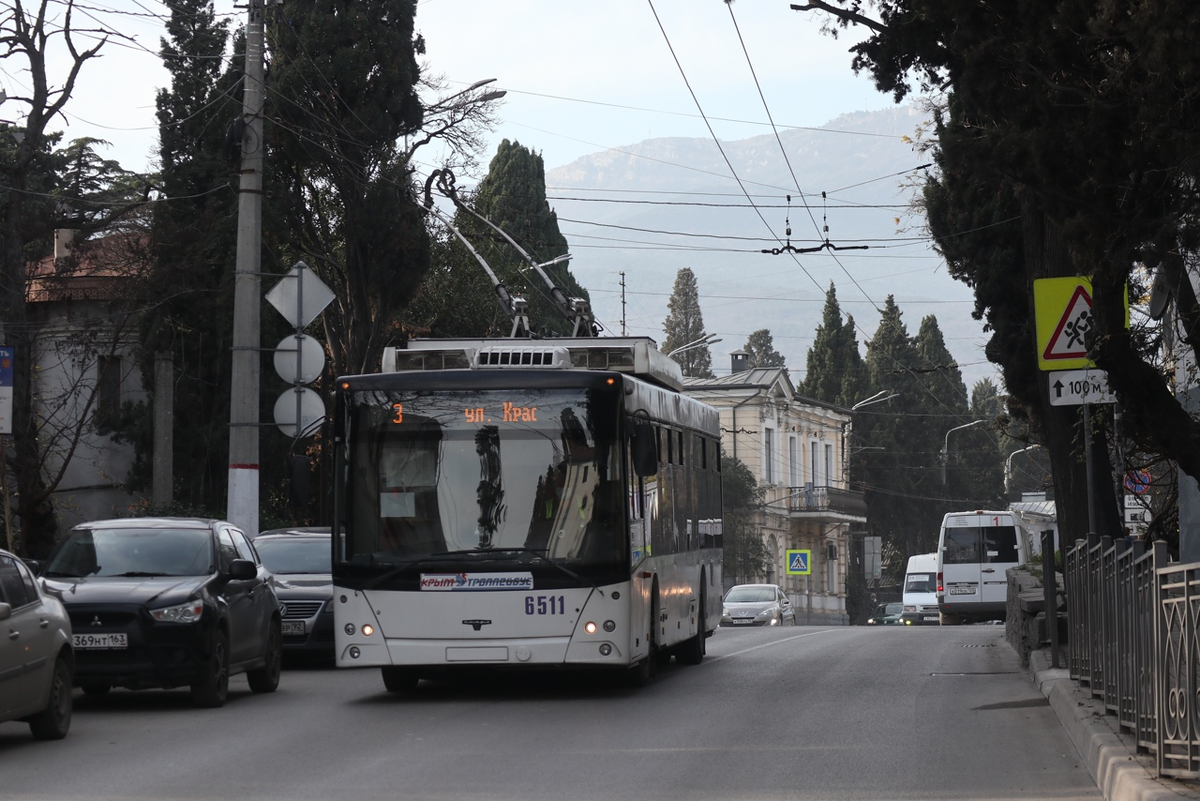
(1137,481)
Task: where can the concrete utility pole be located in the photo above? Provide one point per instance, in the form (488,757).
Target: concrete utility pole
(242,508)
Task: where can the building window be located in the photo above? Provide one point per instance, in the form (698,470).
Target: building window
(108,385)
(769,455)
(829,465)
(812,463)
(793,462)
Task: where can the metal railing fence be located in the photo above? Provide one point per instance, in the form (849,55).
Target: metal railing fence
(1134,630)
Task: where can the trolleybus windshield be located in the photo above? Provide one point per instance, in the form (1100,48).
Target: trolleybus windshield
(435,473)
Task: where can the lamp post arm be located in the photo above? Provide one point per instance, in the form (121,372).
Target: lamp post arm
(946,443)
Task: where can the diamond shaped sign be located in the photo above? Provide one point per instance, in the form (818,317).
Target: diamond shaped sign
(300,296)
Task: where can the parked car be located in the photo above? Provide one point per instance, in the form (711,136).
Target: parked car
(36,660)
(887,615)
(167,602)
(757,605)
(299,559)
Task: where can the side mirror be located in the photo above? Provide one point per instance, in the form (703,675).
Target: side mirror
(644,450)
(5,611)
(242,570)
(35,566)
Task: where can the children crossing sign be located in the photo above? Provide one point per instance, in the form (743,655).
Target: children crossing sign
(1063,311)
(799,563)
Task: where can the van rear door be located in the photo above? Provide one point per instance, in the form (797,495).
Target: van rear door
(999,551)
(961,556)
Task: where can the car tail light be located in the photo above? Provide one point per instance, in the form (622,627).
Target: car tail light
(939,583)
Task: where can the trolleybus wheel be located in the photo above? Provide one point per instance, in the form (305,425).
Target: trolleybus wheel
(691,651)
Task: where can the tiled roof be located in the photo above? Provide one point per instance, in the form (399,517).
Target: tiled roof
(95,271)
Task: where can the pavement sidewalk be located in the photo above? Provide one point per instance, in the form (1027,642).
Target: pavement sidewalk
(1111,757)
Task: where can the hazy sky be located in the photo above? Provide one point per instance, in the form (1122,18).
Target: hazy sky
(580,77)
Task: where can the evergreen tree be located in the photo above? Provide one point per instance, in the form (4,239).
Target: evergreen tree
(761,348)
(982,451)
(1048,111)
(835,370)
(343,81)
(456,298)
(898,464)
(194,240)
(685,325)
(745,555)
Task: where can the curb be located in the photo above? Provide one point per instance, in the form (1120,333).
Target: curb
(1119,771)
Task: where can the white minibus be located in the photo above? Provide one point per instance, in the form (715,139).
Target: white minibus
(974,551)
(920,590)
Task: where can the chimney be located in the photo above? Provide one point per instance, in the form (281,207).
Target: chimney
(63,237)
(739,361)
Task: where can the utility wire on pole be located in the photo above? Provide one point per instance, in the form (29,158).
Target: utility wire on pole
(242,504)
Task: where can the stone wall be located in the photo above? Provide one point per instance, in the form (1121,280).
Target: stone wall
(1025,621)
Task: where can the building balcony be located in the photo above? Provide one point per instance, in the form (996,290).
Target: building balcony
(826,503)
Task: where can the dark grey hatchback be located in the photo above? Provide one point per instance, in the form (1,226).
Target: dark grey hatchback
(167,602)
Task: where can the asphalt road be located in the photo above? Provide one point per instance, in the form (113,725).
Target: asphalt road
(795,713)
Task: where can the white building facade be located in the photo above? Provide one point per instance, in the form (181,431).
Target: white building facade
(796,448)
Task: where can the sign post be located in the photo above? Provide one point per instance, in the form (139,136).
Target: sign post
(1064,325)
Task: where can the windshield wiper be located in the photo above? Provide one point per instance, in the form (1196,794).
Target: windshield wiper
(56,574)
(140,574)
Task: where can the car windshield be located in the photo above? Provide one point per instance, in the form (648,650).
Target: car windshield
(295,554)
(920,582)
(893,609)
(750,595)
(133,552)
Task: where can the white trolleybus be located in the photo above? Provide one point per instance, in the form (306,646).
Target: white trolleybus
(524,504)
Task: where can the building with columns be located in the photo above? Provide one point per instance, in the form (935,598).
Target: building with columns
(796,448)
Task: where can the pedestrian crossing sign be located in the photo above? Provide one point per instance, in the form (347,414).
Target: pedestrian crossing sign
(799,563)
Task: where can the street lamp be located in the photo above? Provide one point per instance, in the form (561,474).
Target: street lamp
(707,339)
(878,397)
(946,443)
(1008,466)
(848,429)
(493,95)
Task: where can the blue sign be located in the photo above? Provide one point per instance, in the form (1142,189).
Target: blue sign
(799,563)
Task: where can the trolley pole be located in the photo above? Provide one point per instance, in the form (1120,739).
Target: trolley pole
(242,508)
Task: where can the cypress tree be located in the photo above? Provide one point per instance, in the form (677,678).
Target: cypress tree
(685,324)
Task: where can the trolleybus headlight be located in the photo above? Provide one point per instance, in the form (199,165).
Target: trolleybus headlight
(589,627)
(610,625)
(349,629)
(605,649)
(368,630)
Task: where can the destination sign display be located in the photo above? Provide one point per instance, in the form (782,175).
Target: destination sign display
(507,412)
